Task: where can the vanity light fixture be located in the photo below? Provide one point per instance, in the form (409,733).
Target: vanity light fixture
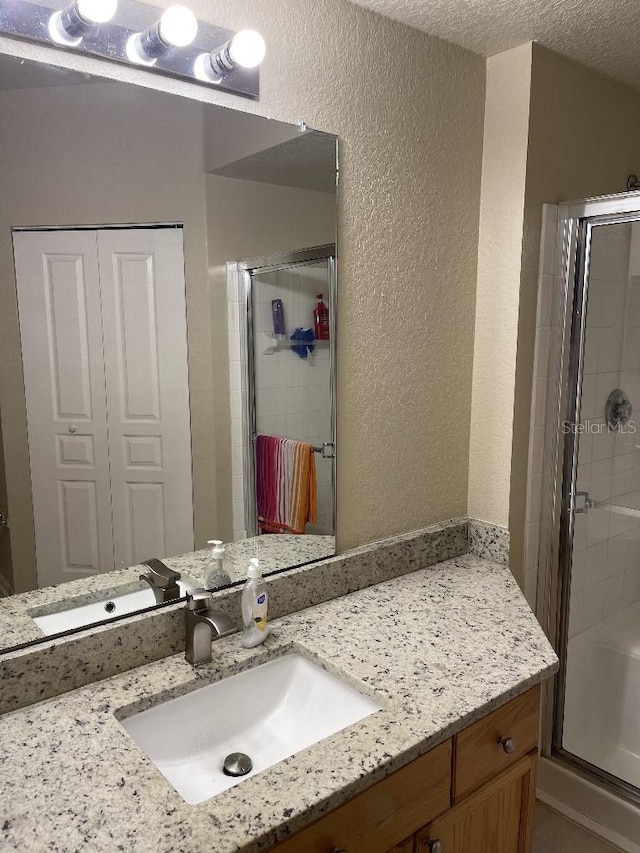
(67,27)
(171,41)
(177,27)
(246,49)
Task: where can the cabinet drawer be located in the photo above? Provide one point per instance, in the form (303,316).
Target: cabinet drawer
(390,811)
(482,751)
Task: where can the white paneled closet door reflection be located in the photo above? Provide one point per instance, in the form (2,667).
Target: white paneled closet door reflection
(103,328)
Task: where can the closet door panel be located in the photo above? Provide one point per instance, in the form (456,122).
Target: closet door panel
(61,336)
(145,338)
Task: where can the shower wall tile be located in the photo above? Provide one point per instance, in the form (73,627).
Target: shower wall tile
(532,543)
(606,558)
(580,533)
(598,526)
(596,564)
(588,405)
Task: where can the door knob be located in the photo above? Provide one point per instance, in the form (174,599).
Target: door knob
(72,428)
(508,744)
(436,846)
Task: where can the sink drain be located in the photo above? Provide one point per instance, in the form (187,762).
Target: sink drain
(237,764)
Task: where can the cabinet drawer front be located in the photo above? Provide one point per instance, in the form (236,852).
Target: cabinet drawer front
(378,819)
(495,742)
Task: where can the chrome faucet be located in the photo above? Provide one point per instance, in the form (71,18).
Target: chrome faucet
(162,580)
(203,625)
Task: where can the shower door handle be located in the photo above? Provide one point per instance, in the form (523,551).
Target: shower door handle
(588,504)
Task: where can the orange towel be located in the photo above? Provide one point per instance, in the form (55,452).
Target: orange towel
(304,495)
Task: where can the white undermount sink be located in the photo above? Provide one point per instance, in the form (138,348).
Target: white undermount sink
(268,713)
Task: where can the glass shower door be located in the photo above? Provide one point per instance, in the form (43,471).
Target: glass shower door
(599,723)
(292,351)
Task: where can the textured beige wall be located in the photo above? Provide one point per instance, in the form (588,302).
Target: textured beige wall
(504,167)
(273,219)
(408,109)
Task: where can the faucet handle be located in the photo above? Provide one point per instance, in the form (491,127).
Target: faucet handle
(198,599)
(159,574)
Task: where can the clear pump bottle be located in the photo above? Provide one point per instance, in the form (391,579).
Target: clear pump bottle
(255,604)
(216,572)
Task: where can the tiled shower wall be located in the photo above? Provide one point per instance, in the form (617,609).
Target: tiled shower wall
(606,557)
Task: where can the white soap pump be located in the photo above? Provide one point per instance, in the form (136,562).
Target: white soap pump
(255,604)
(216,574)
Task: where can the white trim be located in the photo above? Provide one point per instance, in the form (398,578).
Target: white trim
(605,204)
(590,806)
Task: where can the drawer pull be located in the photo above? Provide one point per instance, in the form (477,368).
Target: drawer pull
(508,744)
(436,846)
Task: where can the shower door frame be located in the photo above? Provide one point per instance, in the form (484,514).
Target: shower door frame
(248,269)
(576,221)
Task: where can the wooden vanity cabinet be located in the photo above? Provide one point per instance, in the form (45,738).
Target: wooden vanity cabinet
(407,847)
(384,815)
(474,793)
(495,819)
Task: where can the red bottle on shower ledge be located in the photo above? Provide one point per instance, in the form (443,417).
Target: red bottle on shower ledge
(321,320)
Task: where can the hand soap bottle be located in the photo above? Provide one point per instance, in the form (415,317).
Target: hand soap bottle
(255,602)
(216,572)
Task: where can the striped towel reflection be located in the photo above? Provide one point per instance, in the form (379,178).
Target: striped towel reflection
(285,484)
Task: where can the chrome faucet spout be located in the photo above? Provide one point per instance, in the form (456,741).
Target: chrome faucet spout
(203,625)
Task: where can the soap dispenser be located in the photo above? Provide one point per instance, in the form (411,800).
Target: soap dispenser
(216,572)
(255,603)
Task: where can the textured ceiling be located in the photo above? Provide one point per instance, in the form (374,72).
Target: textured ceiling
(604,34)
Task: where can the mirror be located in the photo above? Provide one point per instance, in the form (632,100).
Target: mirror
(167,354)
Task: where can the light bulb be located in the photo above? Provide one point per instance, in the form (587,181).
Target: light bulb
(71,24)
(247,49)
(178,26)
(97,11)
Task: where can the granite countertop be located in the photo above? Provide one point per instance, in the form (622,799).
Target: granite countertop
(440,647)
(275,552)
